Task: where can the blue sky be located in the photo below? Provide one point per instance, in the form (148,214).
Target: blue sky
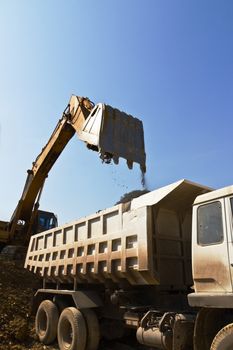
(168,62)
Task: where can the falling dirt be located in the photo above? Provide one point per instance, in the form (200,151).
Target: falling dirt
(143,180)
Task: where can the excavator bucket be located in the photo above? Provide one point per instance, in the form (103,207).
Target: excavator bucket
(114,134)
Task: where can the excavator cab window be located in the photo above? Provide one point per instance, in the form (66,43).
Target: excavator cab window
(46,221)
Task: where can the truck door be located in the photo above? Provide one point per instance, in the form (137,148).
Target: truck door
(211,268)
(229,211)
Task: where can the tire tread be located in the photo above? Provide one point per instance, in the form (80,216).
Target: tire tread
(221,336)
(74,316)
(93,330)
(52,320)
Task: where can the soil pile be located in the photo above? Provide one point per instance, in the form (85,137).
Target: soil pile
(17,287)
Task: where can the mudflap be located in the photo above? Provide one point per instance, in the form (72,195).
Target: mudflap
(183,332)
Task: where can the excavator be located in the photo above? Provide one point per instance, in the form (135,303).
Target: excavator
(110,132)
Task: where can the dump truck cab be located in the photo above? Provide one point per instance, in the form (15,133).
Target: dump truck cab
(212,248)
(212,269)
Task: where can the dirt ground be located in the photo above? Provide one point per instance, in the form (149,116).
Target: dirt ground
(17,287)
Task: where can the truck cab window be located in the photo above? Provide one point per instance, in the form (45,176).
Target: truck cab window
(209,224)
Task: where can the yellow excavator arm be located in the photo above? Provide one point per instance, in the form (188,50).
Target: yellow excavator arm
(104,129)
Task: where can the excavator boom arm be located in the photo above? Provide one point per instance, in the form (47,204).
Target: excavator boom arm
(61,135)
(104,129)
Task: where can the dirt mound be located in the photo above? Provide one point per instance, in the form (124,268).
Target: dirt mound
(17,287)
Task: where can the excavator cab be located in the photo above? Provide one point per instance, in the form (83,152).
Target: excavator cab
(45,221)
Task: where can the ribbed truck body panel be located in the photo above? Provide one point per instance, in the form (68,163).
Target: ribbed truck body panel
(146,242)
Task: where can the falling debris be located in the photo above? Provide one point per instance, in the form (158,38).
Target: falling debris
(143,180)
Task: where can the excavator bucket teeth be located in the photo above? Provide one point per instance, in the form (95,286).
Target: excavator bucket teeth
(114,134)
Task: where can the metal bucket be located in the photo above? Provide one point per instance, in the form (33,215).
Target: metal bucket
(114,134)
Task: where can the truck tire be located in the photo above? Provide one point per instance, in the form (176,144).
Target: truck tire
(72,331)
(46,322)
(223,339)
(93,329)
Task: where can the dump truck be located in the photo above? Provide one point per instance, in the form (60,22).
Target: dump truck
(104,129)
(158,267)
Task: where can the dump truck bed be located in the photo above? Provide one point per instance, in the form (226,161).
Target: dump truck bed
(145,241)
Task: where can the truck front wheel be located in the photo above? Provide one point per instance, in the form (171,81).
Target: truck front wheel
(223,339)
(71,332)
(46,322)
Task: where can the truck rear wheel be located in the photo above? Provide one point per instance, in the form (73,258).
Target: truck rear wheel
(223,339)
(72,331)
(46,322)
(93,330)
